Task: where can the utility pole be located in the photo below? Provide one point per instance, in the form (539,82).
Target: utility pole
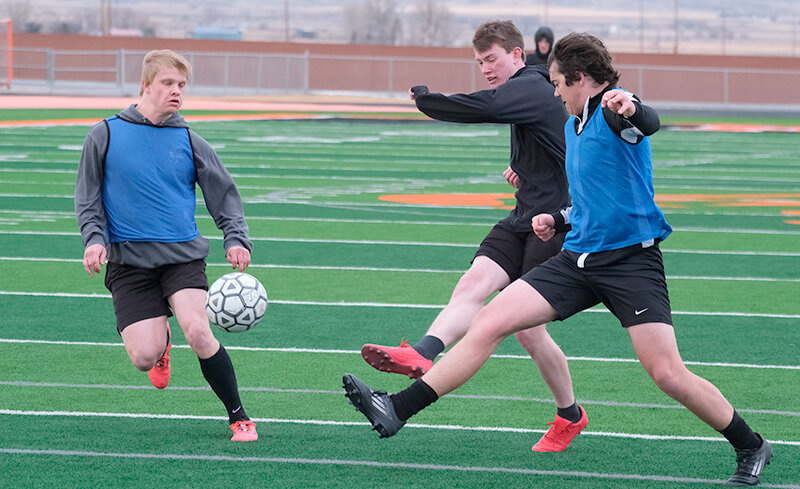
(105,17)
(677,28)
(285,20)
(546,12)
(641,26)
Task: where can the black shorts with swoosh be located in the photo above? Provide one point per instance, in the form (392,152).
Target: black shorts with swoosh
(629,281)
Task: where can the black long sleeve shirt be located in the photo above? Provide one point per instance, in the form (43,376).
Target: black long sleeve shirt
(537,119)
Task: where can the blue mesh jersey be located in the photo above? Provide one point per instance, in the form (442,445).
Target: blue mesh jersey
(611,186)
(149,187)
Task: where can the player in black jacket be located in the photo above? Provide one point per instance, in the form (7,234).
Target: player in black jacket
(522,97)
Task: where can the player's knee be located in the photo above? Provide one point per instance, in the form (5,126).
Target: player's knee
(198,334)
(488,329)
(144,360)
(471,286)
(670,379)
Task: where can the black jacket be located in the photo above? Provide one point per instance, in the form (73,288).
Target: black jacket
(537,119)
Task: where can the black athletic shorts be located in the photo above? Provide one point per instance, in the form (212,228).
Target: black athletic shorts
(517,252)
(141,293)
(629,281)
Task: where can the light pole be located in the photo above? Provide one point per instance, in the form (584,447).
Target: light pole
(641,26)
(677,28)
(286,20)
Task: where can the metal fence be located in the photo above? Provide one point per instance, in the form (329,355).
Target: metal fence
(49,71)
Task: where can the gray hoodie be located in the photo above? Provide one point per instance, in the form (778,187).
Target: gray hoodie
(219,192)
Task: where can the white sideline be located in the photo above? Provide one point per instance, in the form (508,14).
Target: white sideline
(402,270)
(466,245)
(318,422)
(583,402)
(384,465)
(356,352)
(402,306)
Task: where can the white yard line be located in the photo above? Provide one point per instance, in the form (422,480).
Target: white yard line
(404,270)
(378,465)
(357,352)
(583,402)
(496,429)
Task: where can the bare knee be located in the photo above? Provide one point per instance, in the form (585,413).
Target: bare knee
(488,330)
(200,338)
(144,359)
(672,379)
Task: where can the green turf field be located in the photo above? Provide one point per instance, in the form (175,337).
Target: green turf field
(344,266)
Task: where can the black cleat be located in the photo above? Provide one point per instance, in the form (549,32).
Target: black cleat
(750,463)
(375,405)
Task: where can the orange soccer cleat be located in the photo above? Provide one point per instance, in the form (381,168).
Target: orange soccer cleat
(403,359)
(561,433)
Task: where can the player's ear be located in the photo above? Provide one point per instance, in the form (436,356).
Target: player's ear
(517,52)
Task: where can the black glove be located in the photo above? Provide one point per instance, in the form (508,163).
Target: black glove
(419,90)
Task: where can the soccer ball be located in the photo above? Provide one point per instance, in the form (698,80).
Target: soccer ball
(236,302)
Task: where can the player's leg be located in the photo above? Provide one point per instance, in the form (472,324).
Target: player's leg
(189,306)
(657,350)
(498,260)
(185,286)
(141,313)
(551,362)
(517,307)
(570,418)
(145,341)
(483,278)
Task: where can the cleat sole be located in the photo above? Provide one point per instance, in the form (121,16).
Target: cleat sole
(380,360)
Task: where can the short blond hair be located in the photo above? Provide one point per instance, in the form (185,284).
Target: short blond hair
(160,58)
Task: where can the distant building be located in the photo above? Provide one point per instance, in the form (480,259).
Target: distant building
(225,33)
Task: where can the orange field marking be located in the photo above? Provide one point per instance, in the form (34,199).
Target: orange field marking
(499,201)
(762,203)
(453,200)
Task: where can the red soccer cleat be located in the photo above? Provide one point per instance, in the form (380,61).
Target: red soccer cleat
(159,374)
(244,431)
(403,360)
(561,434)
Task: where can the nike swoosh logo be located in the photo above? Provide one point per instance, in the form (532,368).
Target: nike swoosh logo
(236,410)
(639,312)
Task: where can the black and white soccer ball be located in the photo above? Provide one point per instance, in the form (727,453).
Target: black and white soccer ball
(236,302)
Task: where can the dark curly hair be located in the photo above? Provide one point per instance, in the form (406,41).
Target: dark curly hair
(583,53)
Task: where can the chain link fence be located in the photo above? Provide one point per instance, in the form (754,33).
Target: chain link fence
(117,73)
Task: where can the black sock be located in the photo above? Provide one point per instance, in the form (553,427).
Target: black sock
(417,397)
(740,435)
(218,371)
(571,413)
(429,347)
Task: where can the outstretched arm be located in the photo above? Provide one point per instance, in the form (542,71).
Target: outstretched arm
(520,100)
